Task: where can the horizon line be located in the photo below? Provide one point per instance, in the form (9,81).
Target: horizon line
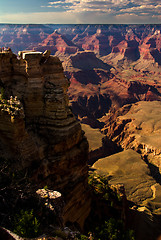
(80,23)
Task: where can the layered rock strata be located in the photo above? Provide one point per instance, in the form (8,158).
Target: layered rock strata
(46,139)
(57,42)
(138,126)
(96,88)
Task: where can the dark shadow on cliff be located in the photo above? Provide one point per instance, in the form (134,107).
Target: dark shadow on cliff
(108,148)
(154,171)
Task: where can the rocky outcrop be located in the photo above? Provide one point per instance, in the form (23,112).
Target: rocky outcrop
(46,139)
(98,43)
(84,61)
(150,48)
(56,42)
(99,39)
(122,168)
(126,49)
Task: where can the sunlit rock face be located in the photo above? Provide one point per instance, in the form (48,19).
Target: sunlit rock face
(138,126)
(57,42)
(45,138)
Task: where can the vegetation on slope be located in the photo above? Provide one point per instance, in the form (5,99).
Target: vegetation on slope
(105,221)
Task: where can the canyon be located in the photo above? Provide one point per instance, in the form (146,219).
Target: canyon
(112,76)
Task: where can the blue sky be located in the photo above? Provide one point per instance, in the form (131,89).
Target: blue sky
(80,11)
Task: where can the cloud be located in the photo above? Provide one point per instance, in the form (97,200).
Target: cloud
(91,11)
(56,2)
(132,18)
(144,10)
(108,6)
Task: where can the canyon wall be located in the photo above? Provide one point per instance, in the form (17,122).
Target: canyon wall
(38,131)
(137,126)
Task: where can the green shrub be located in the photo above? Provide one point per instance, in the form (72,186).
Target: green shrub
(113,230)
(45,187)
(105,228)
(3,95)
(26,224)
(83,237)
(99,186)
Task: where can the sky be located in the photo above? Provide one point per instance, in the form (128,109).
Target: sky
(80,11)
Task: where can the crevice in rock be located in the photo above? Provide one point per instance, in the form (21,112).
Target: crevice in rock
(154,170)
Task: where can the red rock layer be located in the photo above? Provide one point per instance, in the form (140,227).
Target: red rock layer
(57,42)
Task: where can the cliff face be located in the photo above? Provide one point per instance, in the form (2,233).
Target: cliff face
(44,136)
(137,126)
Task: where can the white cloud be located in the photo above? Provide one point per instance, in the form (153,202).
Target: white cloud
(107,6)
(91,11)
(91,5)
(54,3)
(120,2)
(143,9)
(132,18)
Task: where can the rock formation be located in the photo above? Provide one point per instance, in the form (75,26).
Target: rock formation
(97,88)
(56,42)
(137,126)
(86,73)
(122,168)
(42,135)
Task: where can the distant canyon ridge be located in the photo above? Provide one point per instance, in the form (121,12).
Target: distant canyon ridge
(108,65)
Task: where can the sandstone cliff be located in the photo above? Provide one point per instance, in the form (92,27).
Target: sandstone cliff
(43,136)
